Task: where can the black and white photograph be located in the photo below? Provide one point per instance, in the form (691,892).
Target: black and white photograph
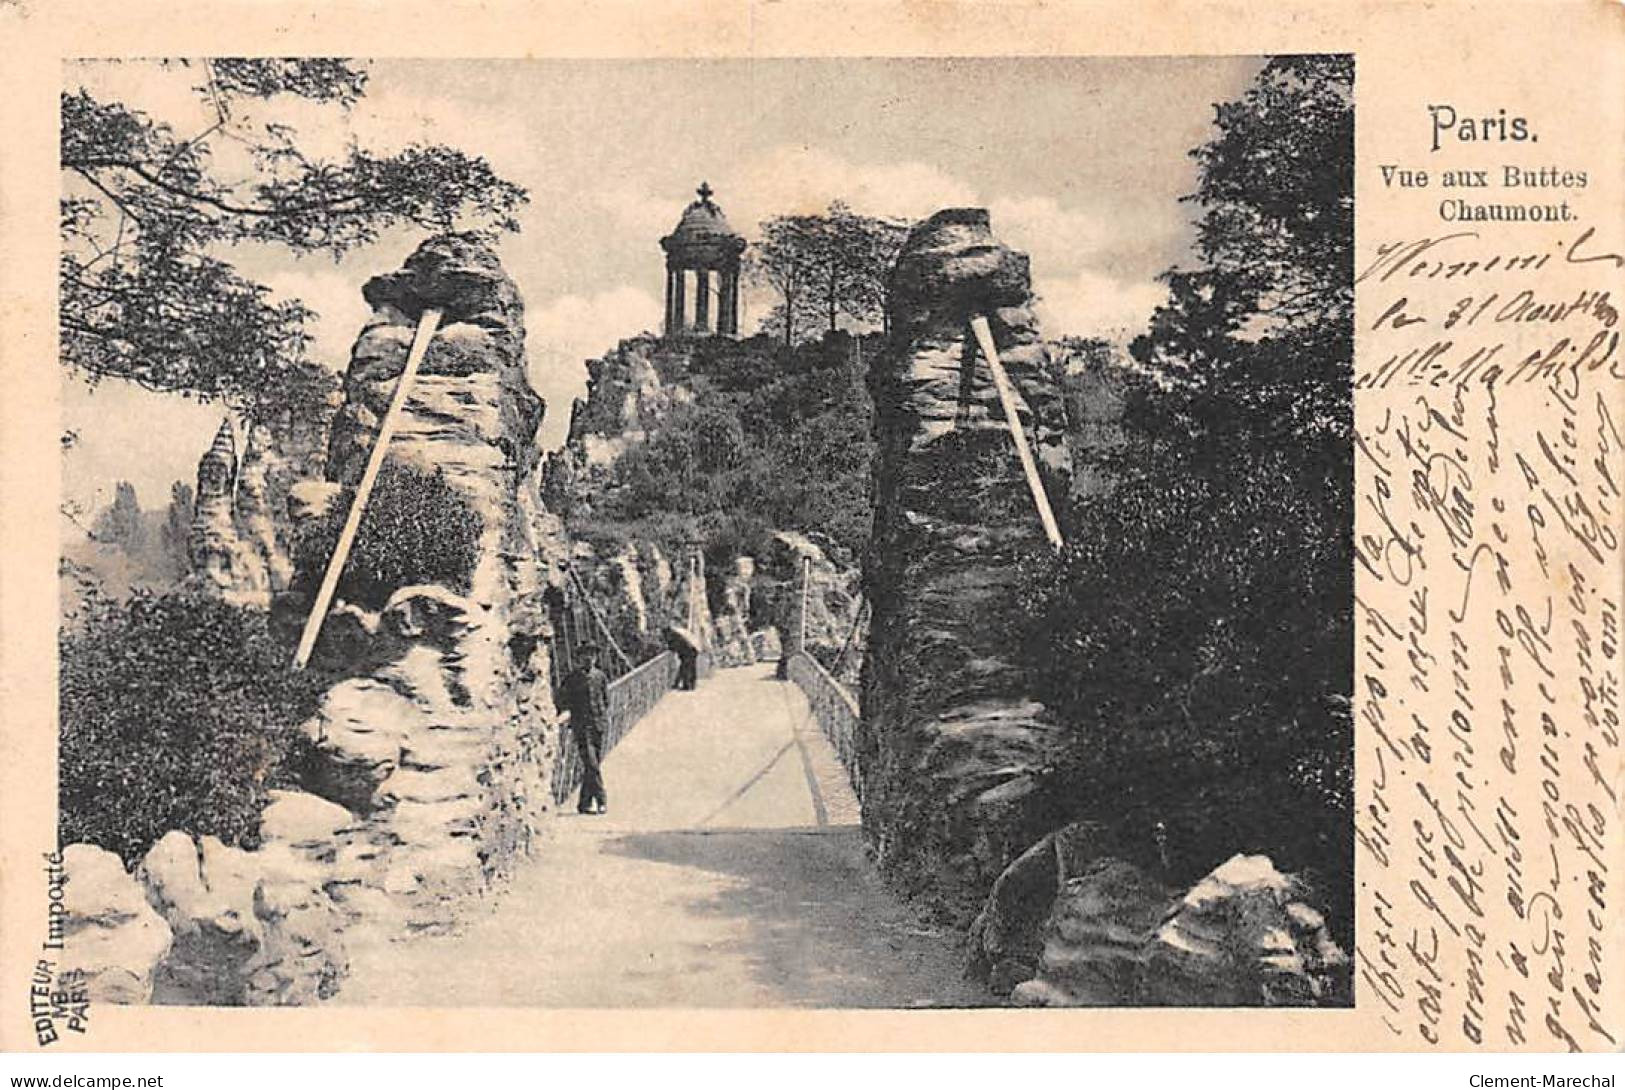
(733,533)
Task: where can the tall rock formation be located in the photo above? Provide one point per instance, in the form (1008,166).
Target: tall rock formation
(223,563)
(239,544)
(447,750)
(257,522)
(951,737)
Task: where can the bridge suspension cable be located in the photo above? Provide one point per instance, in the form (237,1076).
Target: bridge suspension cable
(603,625)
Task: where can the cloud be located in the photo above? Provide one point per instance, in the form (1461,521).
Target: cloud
(334,292)
(1092,304)
(1058,239)
(790,180)
(565,332)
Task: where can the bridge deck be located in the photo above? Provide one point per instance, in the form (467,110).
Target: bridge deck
(729,872)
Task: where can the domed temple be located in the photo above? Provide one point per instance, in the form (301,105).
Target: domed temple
(703,254)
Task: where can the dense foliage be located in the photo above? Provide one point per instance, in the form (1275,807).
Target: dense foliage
(1203,607)
(176,713)
(149,217)
(774,438)
(417,528)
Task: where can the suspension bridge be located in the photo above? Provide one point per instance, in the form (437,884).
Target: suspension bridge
(729,872)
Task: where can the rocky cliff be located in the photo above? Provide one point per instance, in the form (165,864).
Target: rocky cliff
(644,582)
(952,740)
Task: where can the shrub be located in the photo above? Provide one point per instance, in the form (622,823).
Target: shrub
(416,528)
(1196,635)
(176,712)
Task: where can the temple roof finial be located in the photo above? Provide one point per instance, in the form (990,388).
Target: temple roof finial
(705,192)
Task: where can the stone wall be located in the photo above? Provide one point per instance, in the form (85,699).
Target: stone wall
(951,740)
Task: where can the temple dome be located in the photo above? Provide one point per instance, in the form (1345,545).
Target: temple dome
(702,222)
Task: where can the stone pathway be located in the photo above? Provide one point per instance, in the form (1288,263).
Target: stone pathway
(729,872)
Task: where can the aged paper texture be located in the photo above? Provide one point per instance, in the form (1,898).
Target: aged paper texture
(1112,542)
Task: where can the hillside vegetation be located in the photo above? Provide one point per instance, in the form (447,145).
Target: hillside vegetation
(774,438)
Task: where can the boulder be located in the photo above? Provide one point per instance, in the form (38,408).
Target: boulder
(1096,938)
(251,928)
(302,820)
(111,934)
(358,734)
(457,274)
(1242,937)
(1006,938)
(216,933)
(951,264)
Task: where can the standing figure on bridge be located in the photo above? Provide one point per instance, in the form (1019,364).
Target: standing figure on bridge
(681,641)
(585,695)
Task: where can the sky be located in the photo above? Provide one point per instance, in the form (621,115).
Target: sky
(1080,161)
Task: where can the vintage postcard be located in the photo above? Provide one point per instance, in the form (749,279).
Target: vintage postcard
(996,525)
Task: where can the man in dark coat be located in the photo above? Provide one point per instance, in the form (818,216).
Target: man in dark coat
(585,695)
(688,656)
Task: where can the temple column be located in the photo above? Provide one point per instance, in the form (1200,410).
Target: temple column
(732,300)
(679,306)
(724,294)
(702,300)
(671,295)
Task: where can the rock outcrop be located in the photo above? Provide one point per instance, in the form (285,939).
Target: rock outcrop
(832,600)
(251,928)
(223,563)
(630,390)
(733,646)
(257,521)
(109,932)
(1244,936)
(951,738)
(240,541)
(444,746)
(1066,926)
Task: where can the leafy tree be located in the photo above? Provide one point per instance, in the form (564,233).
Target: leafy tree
(775,438)
(121,523)
(148,216)
(177,529)
(1197,629)
(786,258)
(1259,339)
(826,267)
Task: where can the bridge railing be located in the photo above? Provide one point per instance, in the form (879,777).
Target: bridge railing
(834,707)
(631,697)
